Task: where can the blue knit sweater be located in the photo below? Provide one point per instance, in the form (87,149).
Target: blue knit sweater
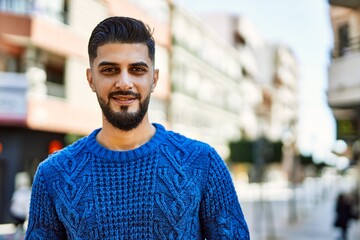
(169,188)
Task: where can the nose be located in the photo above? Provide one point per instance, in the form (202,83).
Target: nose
(123,81)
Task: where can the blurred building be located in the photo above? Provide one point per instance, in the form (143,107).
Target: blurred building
(45,102)
(344,77)
(206,78)
(244,46)
(279,78)
(269,89)
(274,69)
(344,71)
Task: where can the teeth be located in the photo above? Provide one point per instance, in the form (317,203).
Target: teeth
(124,99)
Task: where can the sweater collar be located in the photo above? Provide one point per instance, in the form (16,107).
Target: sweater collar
(100,151)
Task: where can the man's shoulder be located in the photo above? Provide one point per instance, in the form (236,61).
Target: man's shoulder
(185,141)
(190,147)
(188,152)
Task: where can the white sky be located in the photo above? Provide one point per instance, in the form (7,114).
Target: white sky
(304,25)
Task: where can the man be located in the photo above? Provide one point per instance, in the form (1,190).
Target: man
(132,179)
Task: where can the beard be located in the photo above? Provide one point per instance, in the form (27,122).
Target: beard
(124,120)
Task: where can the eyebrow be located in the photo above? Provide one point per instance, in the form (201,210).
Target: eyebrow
(139,64)
(107,64)
(136,64)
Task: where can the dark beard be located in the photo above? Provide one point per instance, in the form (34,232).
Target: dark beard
(124,120)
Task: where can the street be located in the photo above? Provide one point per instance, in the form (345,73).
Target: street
(310,217)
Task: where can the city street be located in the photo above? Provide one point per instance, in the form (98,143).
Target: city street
(311,217)
(272,87)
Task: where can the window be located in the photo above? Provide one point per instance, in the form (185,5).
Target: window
(343,39)
(9,63)
(55,75)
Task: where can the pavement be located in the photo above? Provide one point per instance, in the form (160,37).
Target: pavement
(10,232)
(277,216)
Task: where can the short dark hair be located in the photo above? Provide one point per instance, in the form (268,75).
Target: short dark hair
(121,30)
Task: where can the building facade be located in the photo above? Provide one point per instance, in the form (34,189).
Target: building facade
(269,86)
(344,75)
(269,109)
(206,78)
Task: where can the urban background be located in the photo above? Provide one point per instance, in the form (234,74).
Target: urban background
(221,82)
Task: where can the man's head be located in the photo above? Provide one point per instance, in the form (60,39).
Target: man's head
(122,73)
(121,30)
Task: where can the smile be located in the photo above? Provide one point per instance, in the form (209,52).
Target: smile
(124,100)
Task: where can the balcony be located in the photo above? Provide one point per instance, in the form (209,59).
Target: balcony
(345,3)
(22,31)
(344,80)
(56,9)
(22,105)
(344,73)
(13,105)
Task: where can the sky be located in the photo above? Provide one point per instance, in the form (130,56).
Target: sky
(303,25)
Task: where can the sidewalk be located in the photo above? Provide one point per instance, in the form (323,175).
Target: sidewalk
(9,232)
(314,210)
(318,224)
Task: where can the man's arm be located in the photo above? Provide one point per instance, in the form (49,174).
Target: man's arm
(221,214)
(43,220)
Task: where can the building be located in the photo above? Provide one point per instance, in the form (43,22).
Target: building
(269,93)
(283,87)
(206,98)
(344,73)
(269,88)
(273,69)
(344,76)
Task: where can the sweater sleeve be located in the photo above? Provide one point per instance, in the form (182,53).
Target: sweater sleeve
(221,214)
(43,220)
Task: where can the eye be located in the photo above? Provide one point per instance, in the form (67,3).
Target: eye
(138,70)
(109,70)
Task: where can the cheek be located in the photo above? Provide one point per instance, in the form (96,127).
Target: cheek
(101,94)
(104,94)
(103,88)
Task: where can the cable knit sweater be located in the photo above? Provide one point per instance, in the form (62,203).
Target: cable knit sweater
(171,187)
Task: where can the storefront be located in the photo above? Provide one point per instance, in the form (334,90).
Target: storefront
(22,150)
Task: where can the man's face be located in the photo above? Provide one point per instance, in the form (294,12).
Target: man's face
(123,78)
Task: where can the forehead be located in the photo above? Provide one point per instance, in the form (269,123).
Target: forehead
(122,53)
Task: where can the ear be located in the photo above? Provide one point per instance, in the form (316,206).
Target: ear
(90,79)
(155,79)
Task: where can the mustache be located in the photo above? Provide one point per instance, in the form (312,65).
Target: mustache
(124,93)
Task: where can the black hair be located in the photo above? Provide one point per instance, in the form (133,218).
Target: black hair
(121,30)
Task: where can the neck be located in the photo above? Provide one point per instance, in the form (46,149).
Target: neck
(118,140)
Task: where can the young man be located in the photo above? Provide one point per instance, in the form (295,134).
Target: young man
(132,179)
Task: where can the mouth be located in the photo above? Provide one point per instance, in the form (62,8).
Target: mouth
(125,99)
